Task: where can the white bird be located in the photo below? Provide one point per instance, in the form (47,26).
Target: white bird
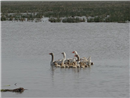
(81,59)
(64,58)
(84,60)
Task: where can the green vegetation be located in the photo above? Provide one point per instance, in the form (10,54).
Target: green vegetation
(3,90)
(65,0)
(55,19)
(73,20)
(118,11)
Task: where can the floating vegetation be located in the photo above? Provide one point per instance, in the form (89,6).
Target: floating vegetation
(18,90)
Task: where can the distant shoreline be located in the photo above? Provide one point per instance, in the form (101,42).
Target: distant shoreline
(65,1)
(93,11)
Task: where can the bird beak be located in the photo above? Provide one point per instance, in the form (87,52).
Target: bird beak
(73,52)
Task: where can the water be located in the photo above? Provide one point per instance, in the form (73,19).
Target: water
(26,60)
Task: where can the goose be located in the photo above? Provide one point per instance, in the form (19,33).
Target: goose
(78,61)
(74,65)
(56,64)
(81,63)
(81,59)
(89,61)
(64,58)
(84,59)
(69,61)
(66,63)
(59,61)
(75,52)
(52,63)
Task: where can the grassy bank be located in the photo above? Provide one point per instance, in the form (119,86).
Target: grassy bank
(95,11)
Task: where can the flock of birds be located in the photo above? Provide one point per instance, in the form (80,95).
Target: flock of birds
(75,62)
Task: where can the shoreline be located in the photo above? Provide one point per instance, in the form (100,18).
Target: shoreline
(97,11)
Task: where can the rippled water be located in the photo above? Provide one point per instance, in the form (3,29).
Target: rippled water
(26,60)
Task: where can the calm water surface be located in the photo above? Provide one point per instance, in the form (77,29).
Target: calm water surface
(26,60)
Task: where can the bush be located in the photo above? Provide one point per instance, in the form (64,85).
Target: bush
(73,20)
(3,18)
(54,19)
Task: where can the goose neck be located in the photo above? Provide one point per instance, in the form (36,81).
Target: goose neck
(52,58)
(78,58)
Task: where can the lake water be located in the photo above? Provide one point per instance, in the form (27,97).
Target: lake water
(26,60)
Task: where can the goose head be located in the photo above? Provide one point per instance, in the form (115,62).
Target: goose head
(64,55)
(75,52)
(50,53)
